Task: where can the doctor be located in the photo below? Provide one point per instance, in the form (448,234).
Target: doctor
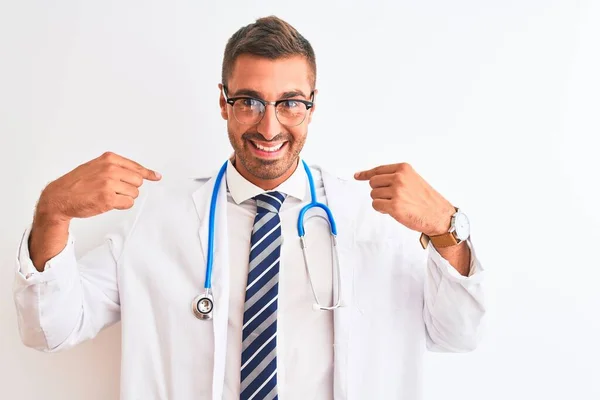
(408,278)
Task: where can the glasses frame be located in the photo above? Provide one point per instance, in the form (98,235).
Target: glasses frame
(231,101)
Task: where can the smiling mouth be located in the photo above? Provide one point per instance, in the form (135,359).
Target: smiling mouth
(271,148)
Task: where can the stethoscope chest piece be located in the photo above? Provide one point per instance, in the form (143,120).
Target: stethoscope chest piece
(203,305)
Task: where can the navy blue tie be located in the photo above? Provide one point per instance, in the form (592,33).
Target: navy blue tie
(259,334)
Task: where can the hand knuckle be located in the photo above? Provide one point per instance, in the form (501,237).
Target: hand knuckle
(111,169)
(106,184)
(104,199)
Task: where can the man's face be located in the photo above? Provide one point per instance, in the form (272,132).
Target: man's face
(267,150)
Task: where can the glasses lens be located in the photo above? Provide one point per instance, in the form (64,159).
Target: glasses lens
(291,112)
(248,111)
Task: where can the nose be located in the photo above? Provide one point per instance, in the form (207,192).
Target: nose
(269,126)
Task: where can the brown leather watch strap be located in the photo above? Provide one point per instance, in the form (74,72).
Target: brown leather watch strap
(445,240)
(439,241)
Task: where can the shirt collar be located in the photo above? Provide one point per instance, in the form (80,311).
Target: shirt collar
(241,189)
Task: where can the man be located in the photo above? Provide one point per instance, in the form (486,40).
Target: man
(268,334)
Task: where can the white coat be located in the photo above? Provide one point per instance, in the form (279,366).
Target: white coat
(398,298)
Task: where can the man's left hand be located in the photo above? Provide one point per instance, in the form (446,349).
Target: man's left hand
(399,191)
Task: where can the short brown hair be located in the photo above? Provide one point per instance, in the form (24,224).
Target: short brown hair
(269,37)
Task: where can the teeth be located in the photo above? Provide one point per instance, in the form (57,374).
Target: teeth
(269,149)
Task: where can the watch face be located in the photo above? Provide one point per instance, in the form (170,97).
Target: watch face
(462,227)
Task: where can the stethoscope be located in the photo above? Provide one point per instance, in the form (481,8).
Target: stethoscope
(204,304)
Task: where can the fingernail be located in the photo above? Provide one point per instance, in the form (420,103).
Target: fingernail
(158,175)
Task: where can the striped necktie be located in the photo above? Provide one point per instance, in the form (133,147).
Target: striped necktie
(259,333)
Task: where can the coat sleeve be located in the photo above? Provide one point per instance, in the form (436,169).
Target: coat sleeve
(453,304)
(71,300)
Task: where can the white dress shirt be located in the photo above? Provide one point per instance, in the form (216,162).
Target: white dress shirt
(304,336)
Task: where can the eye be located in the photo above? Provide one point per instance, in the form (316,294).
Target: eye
(290,104)
(252,103)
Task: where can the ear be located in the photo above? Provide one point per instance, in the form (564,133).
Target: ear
(312,109)
(222,103)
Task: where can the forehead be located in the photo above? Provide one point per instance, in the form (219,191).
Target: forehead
(270,77)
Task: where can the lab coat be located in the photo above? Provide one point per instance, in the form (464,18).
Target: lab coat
(398,299)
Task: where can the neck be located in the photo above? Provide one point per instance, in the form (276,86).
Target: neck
(265,184)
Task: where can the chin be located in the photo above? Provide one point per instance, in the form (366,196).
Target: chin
(268,169)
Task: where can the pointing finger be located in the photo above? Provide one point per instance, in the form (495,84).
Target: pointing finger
(143,171)
(382,169)
(132,165)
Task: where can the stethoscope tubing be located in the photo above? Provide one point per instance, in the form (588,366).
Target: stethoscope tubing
(211,228)
(301,232)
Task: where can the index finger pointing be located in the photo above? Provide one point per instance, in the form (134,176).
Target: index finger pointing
(133,166)
(382,169)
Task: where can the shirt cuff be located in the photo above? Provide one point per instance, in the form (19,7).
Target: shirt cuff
(26,271)
(448,271)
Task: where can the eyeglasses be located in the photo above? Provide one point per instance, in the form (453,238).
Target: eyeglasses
(250,110)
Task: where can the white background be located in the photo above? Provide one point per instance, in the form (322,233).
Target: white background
(495,103)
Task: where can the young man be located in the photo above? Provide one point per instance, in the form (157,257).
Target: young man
(265,329)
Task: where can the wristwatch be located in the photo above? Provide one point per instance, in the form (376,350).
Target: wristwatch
(458,232)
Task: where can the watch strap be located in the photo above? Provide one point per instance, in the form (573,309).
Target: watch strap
(444,240)
(447,239)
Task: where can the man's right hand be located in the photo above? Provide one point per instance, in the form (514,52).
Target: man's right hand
(106,183)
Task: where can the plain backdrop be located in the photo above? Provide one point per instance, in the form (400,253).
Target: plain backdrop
(495,103)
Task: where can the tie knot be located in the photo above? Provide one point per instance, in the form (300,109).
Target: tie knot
(269,202)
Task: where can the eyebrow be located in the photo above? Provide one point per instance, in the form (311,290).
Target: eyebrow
(253,93)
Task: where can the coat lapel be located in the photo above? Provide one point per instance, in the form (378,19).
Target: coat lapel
(220,272)
(334,190)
